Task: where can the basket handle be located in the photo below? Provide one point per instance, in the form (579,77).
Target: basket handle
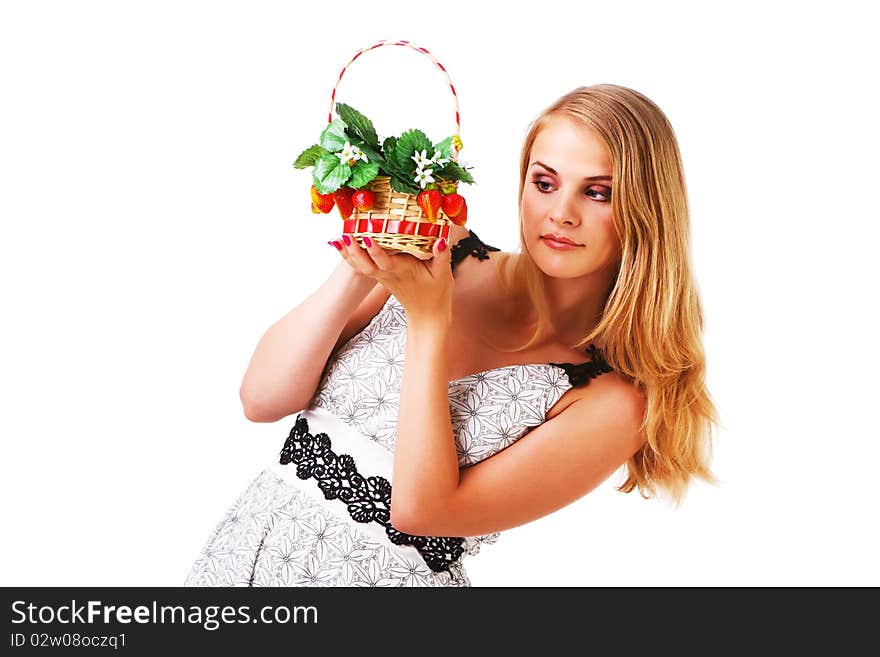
(386,42)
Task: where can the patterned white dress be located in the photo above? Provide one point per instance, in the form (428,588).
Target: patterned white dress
(320,516)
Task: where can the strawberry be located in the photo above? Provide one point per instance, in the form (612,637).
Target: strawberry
(429,201)
(461,217)
(452,204)
(364,199)
(449,188)
(342,196)
(321,202)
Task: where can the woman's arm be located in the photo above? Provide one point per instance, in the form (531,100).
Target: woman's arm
(552,466)
(286,365)
(425,456)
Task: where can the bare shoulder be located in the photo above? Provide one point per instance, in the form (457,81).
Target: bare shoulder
(616,401)
(459,233)
(475,278)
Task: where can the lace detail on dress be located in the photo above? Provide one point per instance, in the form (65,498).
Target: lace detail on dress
(581,374)
(470,245)
(472,543)
(368,498)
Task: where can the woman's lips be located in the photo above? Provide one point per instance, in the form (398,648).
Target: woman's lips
(559,246)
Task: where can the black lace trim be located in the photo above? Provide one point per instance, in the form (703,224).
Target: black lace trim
(581,374)
(470,245)
(368,498)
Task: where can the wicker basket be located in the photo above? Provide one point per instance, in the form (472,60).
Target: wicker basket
(396,222)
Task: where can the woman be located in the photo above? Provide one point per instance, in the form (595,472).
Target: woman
(491,390)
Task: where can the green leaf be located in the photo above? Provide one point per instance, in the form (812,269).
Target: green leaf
(404,186)
(392,167)
(362,173)
(389,146)
(372,153)
(444,148)
(330,173)
(399,174)
(358,125)
(454,171)
(309,156)
(410,142)
(333,137)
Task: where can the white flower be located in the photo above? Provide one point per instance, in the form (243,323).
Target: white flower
(423,177)
(350,153)
(411,573)
(438,160)
(421,159)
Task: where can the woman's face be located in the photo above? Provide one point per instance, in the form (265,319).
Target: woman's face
(558,198)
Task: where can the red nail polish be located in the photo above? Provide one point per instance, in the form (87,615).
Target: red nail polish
(346,239)
(336,244)
(368,241)
(442,245)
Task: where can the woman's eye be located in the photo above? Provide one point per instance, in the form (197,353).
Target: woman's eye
(603,195)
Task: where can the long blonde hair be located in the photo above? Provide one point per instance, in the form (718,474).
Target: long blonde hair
(650,329)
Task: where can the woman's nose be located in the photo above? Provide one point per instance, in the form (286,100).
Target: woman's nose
(566,210)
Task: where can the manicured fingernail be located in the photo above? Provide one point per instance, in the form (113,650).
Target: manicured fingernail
(442,245)
(368,241)
(336,244)
(346,239)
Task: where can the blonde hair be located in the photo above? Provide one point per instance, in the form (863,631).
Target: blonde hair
(650,329)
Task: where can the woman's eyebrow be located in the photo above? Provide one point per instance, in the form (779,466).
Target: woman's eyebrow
(553,171)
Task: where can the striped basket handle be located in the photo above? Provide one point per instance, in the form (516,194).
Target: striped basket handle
(457,138)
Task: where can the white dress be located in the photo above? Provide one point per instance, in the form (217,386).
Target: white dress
(320,515)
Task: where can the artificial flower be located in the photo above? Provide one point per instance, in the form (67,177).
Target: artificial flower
(438,160)
(423,176)
(350,152)
(421,159)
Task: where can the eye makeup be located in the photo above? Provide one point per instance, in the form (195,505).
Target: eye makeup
(603,191)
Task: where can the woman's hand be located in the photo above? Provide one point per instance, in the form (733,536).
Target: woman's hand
(423,287)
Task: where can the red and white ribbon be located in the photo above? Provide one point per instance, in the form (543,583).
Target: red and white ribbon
(408,45)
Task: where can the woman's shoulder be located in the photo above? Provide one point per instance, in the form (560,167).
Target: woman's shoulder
(475,265)
(611,389)
(465,242)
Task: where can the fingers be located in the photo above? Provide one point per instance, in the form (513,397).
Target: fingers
(373,260)
(378,255)
(441,250)
(368,259)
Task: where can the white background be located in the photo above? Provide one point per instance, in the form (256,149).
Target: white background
(153,227)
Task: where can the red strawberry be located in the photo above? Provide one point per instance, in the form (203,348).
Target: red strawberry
(429,201)
(342,196)
(321,202)
(452,204)
(461,218)
(364,199)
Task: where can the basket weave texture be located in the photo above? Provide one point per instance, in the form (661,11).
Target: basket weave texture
(396,221)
